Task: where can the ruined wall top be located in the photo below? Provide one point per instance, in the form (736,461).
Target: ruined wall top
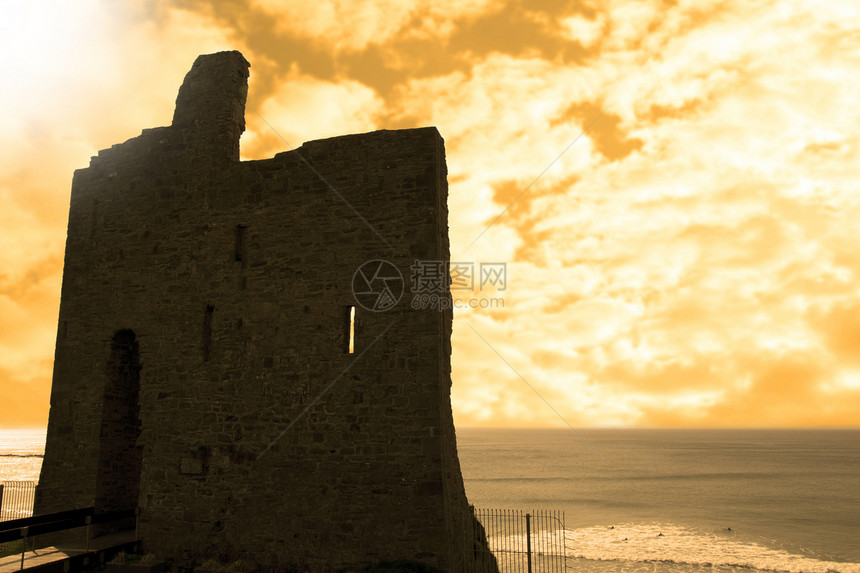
(210,107)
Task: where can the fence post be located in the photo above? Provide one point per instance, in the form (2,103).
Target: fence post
(563,542)
(23,544)
(89,520)
(529,541)
(1,502)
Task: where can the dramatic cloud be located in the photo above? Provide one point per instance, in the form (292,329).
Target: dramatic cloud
(673,185)
(306,108)
(343,25)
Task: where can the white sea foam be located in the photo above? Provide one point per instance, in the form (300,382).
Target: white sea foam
(643,543)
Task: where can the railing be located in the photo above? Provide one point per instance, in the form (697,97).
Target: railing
(24,530)
(527,542)
(16,499)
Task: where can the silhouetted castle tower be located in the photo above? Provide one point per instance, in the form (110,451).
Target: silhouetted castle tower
(202,367)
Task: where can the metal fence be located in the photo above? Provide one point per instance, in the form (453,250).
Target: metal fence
(515,541)
(16,499)
(527,542)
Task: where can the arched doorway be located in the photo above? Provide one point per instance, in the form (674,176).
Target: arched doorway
(118,477)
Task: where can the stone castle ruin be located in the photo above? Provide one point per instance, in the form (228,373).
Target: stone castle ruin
(213,368)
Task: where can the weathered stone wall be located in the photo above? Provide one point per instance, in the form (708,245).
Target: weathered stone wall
(222,288)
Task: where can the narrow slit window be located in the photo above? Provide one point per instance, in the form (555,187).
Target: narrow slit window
(350,330)
(207,331)
(242,244)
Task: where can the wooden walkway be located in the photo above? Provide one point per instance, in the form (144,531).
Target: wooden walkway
(72,556)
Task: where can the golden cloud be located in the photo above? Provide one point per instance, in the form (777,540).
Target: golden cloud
(690,260)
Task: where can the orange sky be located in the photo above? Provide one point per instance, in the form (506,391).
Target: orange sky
(692,260)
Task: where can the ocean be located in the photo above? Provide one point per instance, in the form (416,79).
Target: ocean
(790,497)
(21,454)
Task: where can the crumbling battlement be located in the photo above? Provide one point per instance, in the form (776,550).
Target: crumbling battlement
(202,370)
